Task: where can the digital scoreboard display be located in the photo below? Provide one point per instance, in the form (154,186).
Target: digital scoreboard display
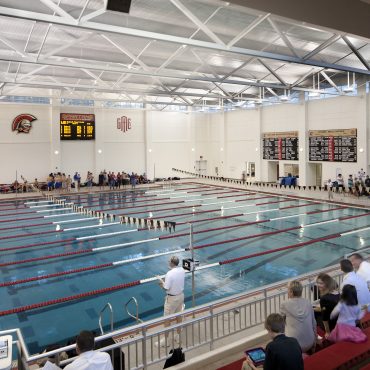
(333,145)
(280,145)
(75,126)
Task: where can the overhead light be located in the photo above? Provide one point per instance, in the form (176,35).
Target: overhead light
(56,152)
(221,149)
(100,151)
(348,89)
(149,150)
(192,149)
(285,97)
(361,150)
(314,94)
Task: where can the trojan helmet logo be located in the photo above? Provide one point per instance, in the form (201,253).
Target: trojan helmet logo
(23,123)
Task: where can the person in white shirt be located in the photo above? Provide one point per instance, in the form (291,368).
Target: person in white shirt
(351,278)
(361,267)
(173,284)
(361,174)
(89,359)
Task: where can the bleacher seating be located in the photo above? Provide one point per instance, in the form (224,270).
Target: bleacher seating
(338,356)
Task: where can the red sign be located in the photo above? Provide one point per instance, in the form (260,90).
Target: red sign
(124,123)
(23,123)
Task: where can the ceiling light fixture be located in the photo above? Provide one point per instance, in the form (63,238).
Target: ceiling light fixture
(349,88)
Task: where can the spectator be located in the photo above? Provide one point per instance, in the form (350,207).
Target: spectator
(77,181)
(367,181)
(340,182)
(361,174)
(69,183)
(329,186)
(329,297)
(50,182)
(282,353)
(348,312)
(361,267)
(101,180)
(133,181)
(350,184)
(350,277)
(300,317)
(89,359)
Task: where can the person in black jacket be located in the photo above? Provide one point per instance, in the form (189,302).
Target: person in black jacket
(282,353)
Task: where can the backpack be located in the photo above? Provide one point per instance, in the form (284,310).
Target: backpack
(177,357)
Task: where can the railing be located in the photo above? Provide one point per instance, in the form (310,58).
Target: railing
(201,326)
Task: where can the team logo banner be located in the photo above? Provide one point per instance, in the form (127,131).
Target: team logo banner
(23,123)
(124,123)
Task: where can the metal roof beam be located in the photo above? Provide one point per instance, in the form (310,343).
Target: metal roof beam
(248,29)
(67,45)
(273,72)
(57,9)
(356,52)
(10,45)
(331,82)
(197,22)
(283,37)
(17,13)
(321,47)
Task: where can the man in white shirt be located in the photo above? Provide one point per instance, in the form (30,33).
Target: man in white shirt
(361,267)
(173,284)
(351,278)
(89,359)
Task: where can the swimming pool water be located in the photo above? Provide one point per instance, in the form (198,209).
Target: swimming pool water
(182,203)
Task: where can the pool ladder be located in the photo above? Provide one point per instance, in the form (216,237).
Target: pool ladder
(136,317)
(109,307)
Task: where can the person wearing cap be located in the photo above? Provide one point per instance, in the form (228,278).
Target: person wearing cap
(173,284)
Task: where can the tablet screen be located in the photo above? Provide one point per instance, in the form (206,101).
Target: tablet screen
(257,355)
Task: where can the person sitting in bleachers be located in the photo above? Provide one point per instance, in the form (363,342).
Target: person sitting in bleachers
(340,182)
(282,353)
(348,312)
(350,184)
(300,317)
(89,359)
(329,297)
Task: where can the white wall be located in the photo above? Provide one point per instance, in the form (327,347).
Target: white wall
(242,141)
(28,154)
(159,141)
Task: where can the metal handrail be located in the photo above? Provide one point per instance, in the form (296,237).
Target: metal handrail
(109,306)
(136,317)
(258,302)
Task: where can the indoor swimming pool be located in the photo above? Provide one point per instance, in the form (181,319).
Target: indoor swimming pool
(59,267)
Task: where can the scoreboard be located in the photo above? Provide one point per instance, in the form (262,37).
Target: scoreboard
(280,145)
(77,126)
(333,145)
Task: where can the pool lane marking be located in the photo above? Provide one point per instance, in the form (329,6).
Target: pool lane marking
(21,219)
(62,215)
(354,231)
(192,206)
(40,201)
(247,213)
(91,226)
(47,205)
(54,210)
(98,249)
(150,279)
(136,259)
(25,226)
(163,203)
(26,246)
(107,234)
(75,220)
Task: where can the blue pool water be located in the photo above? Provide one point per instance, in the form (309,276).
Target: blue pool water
(183,203)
